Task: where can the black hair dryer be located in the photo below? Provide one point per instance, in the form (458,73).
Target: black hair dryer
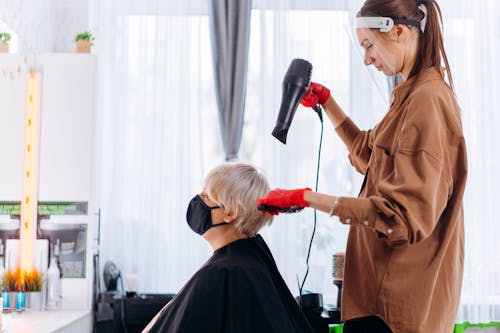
(295,85)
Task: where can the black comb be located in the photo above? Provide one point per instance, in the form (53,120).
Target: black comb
(293,209)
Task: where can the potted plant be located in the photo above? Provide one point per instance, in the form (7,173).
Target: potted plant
(4,42)
(84,42)
(10,283)
(33,283)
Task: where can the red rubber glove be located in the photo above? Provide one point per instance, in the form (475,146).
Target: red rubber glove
(283,201)
(317,94)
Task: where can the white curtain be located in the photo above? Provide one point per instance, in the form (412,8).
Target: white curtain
(473,47)
(158,133)
(157,137)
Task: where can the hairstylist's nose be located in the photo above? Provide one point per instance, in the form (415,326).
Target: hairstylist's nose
(367,59)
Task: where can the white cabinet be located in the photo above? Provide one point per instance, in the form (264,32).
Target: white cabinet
(67,106)
(66,123)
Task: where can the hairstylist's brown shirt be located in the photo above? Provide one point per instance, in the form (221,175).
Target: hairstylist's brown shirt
(405,251)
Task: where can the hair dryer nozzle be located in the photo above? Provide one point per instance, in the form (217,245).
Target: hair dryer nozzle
(295,85)
(280,132)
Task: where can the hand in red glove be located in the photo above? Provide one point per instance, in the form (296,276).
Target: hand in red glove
(283,201)
(317,93)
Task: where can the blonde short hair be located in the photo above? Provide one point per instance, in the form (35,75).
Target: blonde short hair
(238,186)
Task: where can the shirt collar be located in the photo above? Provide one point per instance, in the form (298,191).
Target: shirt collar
(402,89)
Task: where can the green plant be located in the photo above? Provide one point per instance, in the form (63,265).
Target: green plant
(33,280)
(5,36)
(10,281)
(86,35)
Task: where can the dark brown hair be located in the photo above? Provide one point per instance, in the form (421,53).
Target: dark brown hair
(431,48)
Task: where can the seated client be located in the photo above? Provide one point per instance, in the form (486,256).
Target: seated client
(239,289)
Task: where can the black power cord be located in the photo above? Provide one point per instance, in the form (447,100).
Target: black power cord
(317,109)
(122,310)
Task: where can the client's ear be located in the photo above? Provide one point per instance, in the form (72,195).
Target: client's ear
(232,215)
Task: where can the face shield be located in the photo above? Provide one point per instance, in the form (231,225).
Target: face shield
(379,85)
(369,43)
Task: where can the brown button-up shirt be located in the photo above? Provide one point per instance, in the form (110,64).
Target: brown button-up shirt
(405,251)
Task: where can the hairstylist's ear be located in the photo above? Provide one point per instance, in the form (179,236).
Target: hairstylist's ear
(232,215)
(393,34)
(400,32)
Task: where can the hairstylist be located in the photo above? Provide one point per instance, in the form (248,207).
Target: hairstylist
(405,250)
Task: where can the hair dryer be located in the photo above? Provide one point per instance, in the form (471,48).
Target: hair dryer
(295,85)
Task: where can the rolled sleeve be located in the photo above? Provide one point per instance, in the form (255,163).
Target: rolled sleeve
(362,212)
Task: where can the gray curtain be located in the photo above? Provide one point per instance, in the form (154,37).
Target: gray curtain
(230,35)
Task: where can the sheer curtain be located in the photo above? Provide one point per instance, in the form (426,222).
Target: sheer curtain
(473,47)
(158,133)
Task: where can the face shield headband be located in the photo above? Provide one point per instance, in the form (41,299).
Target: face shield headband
(385,24)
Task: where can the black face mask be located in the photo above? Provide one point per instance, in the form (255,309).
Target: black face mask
(199,216)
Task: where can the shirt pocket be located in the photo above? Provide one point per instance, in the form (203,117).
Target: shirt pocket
(381,165)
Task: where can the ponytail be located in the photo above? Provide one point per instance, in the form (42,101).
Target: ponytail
(431,50)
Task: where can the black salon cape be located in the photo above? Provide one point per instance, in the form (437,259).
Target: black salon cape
(239,289)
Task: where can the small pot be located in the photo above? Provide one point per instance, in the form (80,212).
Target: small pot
(20,301)
(4,46)
(6,301)
(12,303)
(83,46)
(34,300)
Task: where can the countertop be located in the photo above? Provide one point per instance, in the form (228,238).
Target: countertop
(47,321)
